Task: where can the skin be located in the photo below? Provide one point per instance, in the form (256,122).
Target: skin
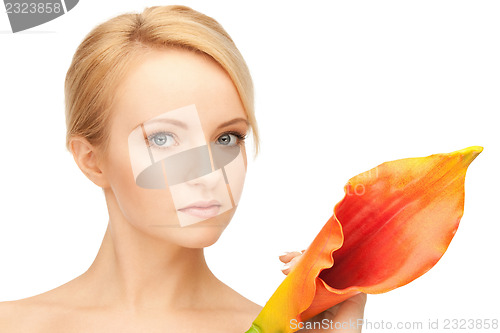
(145,278)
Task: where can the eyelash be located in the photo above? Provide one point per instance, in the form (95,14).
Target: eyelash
(240,137)
(149,139)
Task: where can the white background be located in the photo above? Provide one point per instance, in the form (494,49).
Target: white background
(340,88)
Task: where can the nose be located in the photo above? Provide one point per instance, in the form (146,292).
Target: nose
(212,178)
(200,165)
(209,181)
(187,165)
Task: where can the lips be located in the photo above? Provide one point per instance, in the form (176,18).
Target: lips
(203,209)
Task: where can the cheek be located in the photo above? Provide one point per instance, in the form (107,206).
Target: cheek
(141,207)
(146,207)
(236,172)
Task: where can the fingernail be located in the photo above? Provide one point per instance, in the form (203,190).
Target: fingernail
(284,254)
(285,267)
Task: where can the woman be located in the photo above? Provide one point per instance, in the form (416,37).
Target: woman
(158,106)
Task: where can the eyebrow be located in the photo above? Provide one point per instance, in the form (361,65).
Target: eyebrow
(230,122)
(170,121)
(184,126)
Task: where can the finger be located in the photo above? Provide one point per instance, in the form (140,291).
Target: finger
(350,313)
(287,256)
(286,269)
(289,266)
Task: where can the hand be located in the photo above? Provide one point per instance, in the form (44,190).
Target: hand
(349,311)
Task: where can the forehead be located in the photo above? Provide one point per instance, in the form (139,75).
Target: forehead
(169,79)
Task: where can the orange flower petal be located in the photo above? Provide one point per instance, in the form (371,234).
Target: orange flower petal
(394,223)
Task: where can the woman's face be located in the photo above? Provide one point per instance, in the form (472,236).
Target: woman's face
(176,161)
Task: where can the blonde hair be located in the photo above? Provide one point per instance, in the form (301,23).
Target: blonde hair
(108,51)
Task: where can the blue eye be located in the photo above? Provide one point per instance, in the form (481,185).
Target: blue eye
(225,139)
(231,139)
(161,139)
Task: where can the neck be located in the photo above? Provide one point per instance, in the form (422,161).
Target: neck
(137,270)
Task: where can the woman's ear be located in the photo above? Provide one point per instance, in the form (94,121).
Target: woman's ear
(85,155)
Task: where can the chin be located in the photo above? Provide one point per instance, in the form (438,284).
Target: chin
(206,233)
(200,237)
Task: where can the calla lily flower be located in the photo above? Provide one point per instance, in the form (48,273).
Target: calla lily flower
(394,223)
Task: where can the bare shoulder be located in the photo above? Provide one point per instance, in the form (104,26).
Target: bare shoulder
(19,316)
(231,313)
(31,314)
(9,312)
(240,306)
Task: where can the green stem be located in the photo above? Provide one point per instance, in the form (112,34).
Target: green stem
(254,329)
